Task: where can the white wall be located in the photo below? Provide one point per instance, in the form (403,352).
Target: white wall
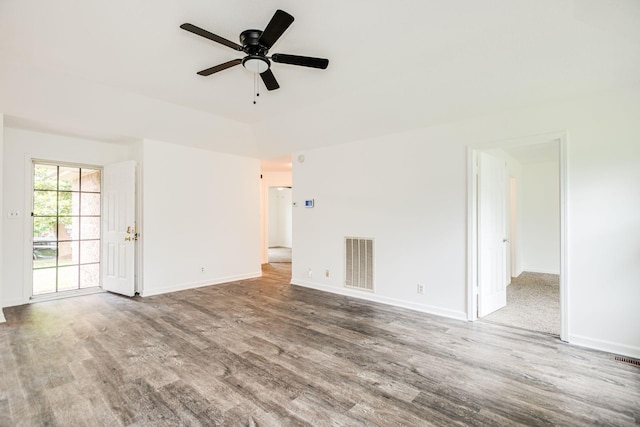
(541,218)
(408,191)
(269,179)
(2,213)
(280,216)
(200,210)
(20,146)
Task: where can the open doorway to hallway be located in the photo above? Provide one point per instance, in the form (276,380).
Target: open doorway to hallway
(280,224)
(276,210)
(526,233)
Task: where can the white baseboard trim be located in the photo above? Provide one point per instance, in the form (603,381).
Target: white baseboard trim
(540,271)
(2,319)
(606,346)
(194,285)
(423,308)
(13,303)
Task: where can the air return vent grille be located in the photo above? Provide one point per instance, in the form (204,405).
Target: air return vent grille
(358,257)
(627,360)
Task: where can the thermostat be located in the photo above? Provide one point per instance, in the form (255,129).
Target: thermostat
(308,203)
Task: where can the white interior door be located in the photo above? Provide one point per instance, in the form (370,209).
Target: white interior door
(492,241)
(119,234)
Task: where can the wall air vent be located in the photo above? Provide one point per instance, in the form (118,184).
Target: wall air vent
(627,360)
(358,261)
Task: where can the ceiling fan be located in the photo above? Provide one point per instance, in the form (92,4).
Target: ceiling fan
(256,44)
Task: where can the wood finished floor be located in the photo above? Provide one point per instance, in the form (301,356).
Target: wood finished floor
(264,353)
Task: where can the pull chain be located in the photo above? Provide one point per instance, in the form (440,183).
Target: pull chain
(255,87)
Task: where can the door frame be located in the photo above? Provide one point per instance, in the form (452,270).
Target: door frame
(472,231)
(27,289)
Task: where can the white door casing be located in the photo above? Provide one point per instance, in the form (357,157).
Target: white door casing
(119,233)
(492,241)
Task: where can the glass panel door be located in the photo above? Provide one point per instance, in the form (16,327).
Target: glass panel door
(66,228)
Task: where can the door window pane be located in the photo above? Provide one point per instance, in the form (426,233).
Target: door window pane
(90,204)
(68,203)
(68,253)
(44,228)
(69,179)
(45,203)
(90,180)
(68,278)
(44,281)
(45,177)
(89,275)
(90,228)
(89,251)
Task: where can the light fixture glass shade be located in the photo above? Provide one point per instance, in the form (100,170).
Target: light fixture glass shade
(256,64)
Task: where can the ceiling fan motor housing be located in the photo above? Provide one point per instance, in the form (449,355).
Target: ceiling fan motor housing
(249,40)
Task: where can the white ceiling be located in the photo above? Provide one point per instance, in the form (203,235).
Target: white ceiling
(122,70)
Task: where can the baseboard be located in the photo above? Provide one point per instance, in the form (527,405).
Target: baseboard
(606,346)
(200,284)
(13,303)
(2,319)
(539,271)
(423,308)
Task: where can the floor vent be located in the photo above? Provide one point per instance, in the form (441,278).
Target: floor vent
(358,257)
(627,360)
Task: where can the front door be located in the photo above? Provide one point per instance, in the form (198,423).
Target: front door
(492,241)
(120,235)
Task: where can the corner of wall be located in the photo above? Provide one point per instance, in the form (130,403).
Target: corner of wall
(2,319)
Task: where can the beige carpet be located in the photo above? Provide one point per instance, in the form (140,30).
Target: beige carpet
(279,254)
(533,303)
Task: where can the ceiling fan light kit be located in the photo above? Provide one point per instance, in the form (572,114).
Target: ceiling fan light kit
(256,44)
(256,64)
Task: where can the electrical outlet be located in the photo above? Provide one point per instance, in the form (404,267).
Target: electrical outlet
(310,273)
(326,273)
(13,214)
(202,269)
(420,289)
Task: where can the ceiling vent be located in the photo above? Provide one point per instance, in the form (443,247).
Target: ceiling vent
(358,261)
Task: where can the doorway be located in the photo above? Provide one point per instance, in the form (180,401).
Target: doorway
(66,218)
(280,228)
(527,239)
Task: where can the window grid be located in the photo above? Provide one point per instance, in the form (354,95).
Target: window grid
(75,241)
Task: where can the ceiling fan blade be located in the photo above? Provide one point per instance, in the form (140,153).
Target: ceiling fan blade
(206,34)
(275,28)
(220,67)
(304,61)
(269,80)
